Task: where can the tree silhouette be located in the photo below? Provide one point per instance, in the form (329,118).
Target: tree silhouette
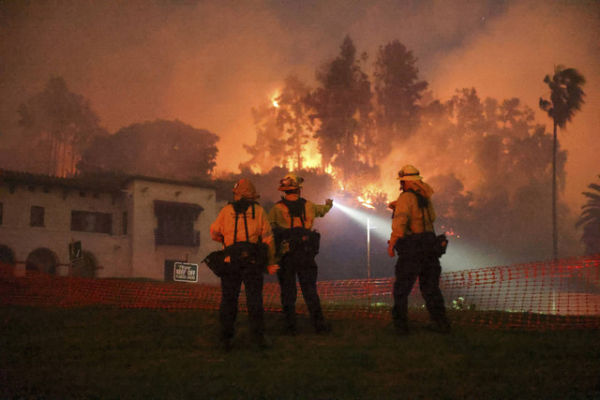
(590,220)
(165,149)
(342,105)
(57,126)
(269,149)
(293,118)
(566,97)
(398,91)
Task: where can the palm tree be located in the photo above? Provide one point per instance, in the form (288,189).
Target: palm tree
(590,220)
(566,97)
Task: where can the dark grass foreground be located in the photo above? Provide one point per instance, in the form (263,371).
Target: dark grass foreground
(107,353)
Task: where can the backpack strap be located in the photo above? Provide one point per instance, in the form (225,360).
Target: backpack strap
(240,207)
(296,209)
(423,203)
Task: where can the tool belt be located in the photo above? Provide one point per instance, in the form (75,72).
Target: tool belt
(247,254)
(215,261)
(297,241)
(242,255)
(421,244)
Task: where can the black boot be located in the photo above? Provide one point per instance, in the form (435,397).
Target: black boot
(226,344)
(401,327)
(440,326)
(400,322)
(321,327)
(289,327)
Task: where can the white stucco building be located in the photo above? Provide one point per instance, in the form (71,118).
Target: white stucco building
(133,226)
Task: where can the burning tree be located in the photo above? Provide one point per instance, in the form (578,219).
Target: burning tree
(342,104)
(283,131)
(57,126)
(269,149)
(293,120)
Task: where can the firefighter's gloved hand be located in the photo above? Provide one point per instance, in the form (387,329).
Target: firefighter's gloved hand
(390,249)
(217,237)
(272,268)
(329,202)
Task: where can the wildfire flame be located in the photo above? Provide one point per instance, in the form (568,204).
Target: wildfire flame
(368,203)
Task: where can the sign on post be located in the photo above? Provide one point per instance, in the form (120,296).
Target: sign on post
(75,253)
(185,272)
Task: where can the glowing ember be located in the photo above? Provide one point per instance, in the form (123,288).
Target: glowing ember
(450,232)
(366,202)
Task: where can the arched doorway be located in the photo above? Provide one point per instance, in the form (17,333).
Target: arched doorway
(86,266)
(7,256)
(42,260)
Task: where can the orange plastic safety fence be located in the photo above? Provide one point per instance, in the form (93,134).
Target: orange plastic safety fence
(545,295)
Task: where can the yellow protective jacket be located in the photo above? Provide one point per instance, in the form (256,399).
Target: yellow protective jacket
(408,217)
(259,229)
(279,216)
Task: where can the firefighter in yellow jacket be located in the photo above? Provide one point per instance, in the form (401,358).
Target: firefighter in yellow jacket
(244,230)
(297,245)
(413,238)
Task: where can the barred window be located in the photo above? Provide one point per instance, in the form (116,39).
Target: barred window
(89,221)
(176,223)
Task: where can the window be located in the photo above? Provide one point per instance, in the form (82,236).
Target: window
(124,223)
(88,221)
(176,223)
(37,216)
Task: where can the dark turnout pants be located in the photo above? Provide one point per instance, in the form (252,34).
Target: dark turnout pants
(305,267)
(231,284)
(425,266)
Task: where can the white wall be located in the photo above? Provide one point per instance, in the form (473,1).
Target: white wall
(15,232)
(132,255)
(147,258)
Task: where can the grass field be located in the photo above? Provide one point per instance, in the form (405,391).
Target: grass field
(103,353)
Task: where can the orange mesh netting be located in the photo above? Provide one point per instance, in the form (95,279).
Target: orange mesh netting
(544,295)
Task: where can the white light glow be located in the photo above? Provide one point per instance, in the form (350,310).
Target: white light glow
(382,227)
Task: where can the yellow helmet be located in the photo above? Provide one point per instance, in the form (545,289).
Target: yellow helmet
(290,182)
(245,189)
(409,173)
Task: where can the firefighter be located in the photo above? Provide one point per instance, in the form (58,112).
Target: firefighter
(297,244)
(243,229)
(413,238)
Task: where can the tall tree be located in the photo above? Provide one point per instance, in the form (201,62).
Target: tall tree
(590,220)
(566,98)
(398,90)
(293,118)
(343,106)
(283,129)
(57,126)
(269,148)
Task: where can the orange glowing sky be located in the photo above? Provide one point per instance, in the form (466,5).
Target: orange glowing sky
(207,63)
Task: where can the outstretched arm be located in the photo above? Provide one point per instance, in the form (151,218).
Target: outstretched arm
(322,209)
